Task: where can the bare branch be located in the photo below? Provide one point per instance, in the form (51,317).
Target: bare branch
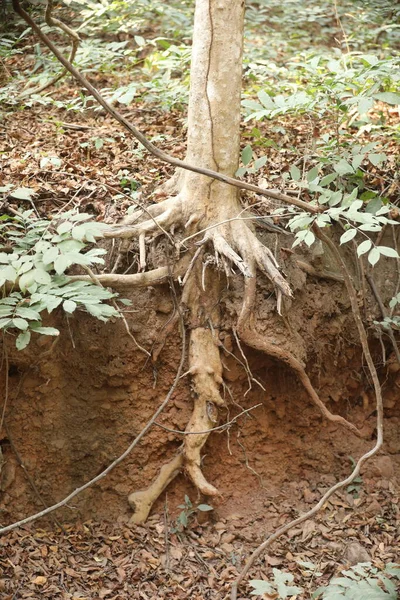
(176,162)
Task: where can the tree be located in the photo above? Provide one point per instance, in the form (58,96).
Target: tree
(217,237)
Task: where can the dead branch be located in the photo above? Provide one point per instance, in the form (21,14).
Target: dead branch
(176,162)
(379,424)
(53,22)
(118,460)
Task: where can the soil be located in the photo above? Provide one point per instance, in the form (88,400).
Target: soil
(73,408)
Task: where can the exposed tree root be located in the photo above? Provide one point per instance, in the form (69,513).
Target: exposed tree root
(142,501)
(255,340)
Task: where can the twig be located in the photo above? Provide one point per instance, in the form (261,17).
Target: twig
(218,428)
(379,409)
(53,22)
(142,138)
(118,460)
(384,314)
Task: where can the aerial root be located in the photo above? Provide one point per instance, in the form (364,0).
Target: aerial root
(255,340)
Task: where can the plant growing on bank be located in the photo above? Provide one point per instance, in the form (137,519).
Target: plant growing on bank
(34,255)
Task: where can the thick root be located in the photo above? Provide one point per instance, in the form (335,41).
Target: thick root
(254,340)
(143,500)
(206,370)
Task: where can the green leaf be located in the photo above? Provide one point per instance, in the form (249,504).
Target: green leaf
(23,193)
(266,100)
(247,155)
(376,159)
(26,280)
(386,251)
(204,507)
(343,167)
(64,227)
(9,273)
(61,263)
(295,173)
(20,323)
(27,313)
(364,247)
(23,340)
(365,104)
(388,97)
(374,256)
(325,181)
(41,276)
(50,255)
(348,235)
(312,174)
(309,238)
(261,587)
(260,162)
(69,306)
(5,323)
(45,330)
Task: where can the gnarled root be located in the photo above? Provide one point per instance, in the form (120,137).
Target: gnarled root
(253,339)
(142,501)
(206,370)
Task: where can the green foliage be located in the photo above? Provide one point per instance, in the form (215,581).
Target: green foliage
(188,511)
(281,585)
(35,254)
(361,582)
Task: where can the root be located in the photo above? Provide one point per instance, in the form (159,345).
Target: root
(142,501)
(253,339)
(206,370)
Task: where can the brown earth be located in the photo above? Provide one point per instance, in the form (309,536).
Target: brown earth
(73,410)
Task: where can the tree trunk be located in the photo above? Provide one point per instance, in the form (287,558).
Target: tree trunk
(209,213)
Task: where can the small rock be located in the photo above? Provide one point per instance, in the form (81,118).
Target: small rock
(355,554)
(227,548)
(228,537)
(381,466)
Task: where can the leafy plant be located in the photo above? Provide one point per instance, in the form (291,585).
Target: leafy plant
(188,511)
(280,586)
(363,581)
(35,254)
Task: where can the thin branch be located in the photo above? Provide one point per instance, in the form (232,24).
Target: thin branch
(53,22)
(384,314)
(176,162)
(118,460)
(218,428)
(379,409)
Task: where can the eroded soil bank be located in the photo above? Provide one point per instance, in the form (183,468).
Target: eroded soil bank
(71,410)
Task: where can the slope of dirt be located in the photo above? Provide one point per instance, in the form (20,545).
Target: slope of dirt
(73,408)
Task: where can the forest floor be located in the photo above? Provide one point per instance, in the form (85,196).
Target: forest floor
(99,167)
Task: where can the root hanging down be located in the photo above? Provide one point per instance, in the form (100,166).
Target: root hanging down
(206,370)
(255,340)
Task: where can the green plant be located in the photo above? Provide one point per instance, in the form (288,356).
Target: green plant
(280,586)
(35,255)
(363,581)
(188,511)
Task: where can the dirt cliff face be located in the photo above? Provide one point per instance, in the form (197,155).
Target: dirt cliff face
(71,410)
